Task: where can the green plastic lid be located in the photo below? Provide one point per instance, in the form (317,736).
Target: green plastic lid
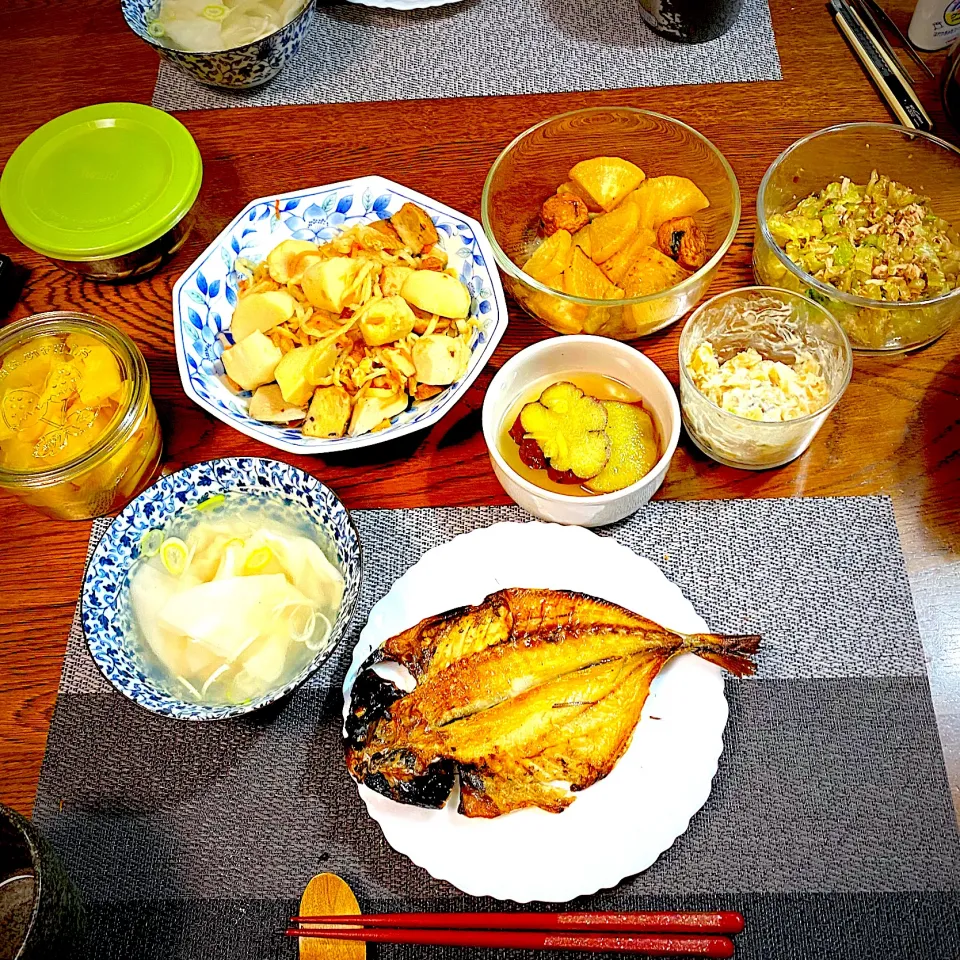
(100,182)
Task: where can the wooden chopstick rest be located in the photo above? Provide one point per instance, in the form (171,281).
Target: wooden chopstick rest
(329,895)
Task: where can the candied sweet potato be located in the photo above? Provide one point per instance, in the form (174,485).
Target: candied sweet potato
(570,429)
(563,213)
(633,447)
(607,180)
(681,239)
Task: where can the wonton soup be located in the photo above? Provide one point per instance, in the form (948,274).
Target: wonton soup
(234,597)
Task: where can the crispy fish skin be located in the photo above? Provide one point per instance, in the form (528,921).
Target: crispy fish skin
(438,642)
(583,750)
(550,633)
(525,689)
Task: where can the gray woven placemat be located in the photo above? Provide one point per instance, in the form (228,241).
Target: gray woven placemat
(829,825)
(480,48)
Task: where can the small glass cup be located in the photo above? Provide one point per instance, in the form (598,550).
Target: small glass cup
(753,317)
(117,464)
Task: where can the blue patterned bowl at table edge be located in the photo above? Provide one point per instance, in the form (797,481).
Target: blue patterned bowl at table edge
(204,298)
(239,68)
(105,609)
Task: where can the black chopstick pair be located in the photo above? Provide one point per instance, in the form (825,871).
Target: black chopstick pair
(880,61)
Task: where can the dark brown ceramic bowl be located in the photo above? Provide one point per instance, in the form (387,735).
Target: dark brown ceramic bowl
(41,917)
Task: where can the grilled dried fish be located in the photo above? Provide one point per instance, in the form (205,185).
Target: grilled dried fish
(518,695)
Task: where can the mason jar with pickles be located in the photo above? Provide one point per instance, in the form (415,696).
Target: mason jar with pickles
(79,435)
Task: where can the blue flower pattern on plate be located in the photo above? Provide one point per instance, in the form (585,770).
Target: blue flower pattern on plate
(105,608)
(206,294)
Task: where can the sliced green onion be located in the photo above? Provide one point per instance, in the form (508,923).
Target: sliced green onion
(214,12)
(150,543)
(212,502)
(175,556)
(197,695)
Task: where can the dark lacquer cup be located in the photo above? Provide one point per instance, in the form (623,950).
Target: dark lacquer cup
(690,21)
(41,917)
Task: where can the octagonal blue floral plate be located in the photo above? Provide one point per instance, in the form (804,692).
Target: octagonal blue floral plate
(105,612)
(204,298)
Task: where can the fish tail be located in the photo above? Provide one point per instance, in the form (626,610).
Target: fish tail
(735,654)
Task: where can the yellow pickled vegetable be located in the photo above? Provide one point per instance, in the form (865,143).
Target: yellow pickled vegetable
(56,399)
(61,397)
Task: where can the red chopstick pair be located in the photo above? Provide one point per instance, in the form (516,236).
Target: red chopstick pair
(654,934)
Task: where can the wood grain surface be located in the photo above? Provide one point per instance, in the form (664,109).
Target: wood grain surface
(895,432)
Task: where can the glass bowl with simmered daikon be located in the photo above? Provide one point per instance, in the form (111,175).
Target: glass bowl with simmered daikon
(221,588)
(610,221)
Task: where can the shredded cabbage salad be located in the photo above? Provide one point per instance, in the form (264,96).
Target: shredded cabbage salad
(878,240)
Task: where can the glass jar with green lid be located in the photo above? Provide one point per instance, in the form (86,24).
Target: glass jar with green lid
(79,435)
(106,191)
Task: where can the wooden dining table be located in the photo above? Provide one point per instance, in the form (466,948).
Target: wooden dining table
(896,431)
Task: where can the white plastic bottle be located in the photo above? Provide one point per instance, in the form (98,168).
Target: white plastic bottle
(935,24)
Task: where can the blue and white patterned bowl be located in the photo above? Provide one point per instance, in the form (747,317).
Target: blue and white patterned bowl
(204,298)
(105,601)
(239,68)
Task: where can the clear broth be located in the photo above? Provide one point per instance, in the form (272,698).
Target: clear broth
(253,512)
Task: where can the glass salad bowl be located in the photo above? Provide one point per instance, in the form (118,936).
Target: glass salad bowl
(538,161)
(924,163)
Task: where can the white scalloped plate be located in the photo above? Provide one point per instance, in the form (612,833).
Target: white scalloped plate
(617,827)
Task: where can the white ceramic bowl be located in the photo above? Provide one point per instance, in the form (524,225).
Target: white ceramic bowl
(563,355)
